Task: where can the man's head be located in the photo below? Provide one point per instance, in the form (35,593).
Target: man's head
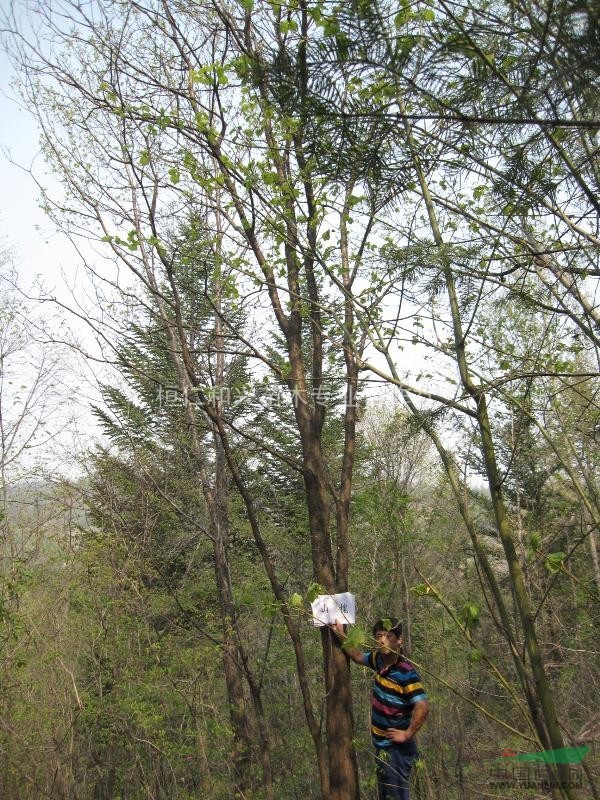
(388,632)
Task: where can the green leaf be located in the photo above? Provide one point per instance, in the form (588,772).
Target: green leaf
(296,600)
(202,121)
(207,75)
(174,175)
(355,639)
(132,240)
(313,591)
(402,17)
(144,158)
(330,27)
(469,614)
(554,562)
(288,25)
(316,13)
(202,76)
(425,590)
(222,78)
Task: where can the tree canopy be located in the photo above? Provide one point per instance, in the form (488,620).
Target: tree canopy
(288,208)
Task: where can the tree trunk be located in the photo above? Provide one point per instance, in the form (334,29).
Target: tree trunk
(343,766)
(216,503)
(234,659)
(550,732)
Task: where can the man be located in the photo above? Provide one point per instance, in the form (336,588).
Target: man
(399,707)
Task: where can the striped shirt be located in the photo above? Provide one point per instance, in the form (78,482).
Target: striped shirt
(396,690)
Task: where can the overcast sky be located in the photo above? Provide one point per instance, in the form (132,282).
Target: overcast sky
(38,251)
(23,226)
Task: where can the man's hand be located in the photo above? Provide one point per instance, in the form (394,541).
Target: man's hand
(354,653)
(419,715)
(398,736)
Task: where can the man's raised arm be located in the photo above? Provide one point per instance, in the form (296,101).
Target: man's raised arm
(354,653)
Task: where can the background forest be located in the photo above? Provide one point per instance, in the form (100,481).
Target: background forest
(342,321)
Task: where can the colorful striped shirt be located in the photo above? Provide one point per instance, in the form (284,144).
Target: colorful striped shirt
(396,690)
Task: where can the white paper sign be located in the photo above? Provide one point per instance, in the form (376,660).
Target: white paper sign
(328,608)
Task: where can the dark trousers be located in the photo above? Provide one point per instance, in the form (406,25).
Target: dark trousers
(393,770)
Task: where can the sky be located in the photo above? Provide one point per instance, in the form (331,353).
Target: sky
(39,254)
(23,226)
